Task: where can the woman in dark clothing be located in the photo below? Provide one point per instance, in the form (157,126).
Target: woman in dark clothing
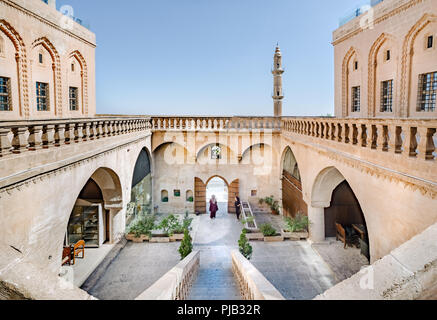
(213,207)
(238,207)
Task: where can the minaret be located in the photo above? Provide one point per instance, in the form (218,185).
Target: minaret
(277,83)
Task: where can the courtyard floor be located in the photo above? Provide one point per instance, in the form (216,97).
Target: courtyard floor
(298,270)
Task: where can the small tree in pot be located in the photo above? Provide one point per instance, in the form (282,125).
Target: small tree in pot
(186,246)
(272,203)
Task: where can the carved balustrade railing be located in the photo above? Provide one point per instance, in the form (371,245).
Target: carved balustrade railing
(215,123)
(409,138)
(27,136)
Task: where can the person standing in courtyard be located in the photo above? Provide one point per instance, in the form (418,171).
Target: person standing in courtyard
(237,207)
(213,207)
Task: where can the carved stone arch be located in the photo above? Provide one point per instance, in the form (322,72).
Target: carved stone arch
(372,73)
(345,81)
(22,69)
(56,66)
(407,58)
(84,76)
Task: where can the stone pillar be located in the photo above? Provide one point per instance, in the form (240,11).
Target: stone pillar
(316,215)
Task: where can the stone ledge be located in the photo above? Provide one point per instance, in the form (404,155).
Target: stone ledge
(407,273)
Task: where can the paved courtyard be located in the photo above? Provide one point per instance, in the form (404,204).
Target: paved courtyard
(215,239)
(136,268)
(294,268)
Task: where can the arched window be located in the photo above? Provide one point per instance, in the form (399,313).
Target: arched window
(189,196)
(164,196)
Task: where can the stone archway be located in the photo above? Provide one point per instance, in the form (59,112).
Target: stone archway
(93,213)
(292,196)
(333,201)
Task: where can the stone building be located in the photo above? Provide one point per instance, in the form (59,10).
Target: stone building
(374,164)
(48,72)
(386,62)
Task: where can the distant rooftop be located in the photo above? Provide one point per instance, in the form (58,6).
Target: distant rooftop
(358,10)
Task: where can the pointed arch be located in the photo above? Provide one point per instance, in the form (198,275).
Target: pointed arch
(407,58)
(22,69)
(372,73)
(56,66)
(84,78)
(345,80)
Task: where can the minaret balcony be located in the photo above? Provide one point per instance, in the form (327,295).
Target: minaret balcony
(279,71)
(277,97)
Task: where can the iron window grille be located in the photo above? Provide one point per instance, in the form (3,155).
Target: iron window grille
(387,96)
(427,92)
(356,101)
(42,96)
(5,96)
(73,99)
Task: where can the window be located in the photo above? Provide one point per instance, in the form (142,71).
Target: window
(427,92)
(388,55)
(72,67)
(73,99)
(42,96)
(177,193)
(356,91)
(2,47)
(5,90)
(356,65)
(164,196)
(216,153)
(40,58)
(387,96)
(430,42)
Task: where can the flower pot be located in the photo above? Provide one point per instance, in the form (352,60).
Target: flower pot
(159,240)
(138,240)
(145,237)
(130,236)
(275,213)
(177,237)
(297,236)
(255,236)
(286,234)
(277,238)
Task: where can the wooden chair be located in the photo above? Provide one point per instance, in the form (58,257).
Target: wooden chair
(341,234)
(66,256)
(78,248)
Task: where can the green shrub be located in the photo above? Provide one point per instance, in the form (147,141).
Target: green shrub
(267,230)
(143,226)
(186,246)
(244,246)
(271,202)
(165,199)
(190,199)
(297,224)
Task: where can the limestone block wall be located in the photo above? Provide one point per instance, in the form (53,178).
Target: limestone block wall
(401,27)
(394,210)
(36,211)
(31,28)
(176,165)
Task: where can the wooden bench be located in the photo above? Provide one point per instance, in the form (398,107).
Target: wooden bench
(341,234)
(78,248)
(66,256)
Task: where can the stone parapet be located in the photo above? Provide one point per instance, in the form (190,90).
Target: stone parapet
(226,124)
(399,146)
(175,284)
(253,285)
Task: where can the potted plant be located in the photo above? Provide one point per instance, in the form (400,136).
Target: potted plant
(270,233)
(297,227)
(141,230)
(177,228)
(244,246)
(272,203)
(251,234)
(166,226)
(186,246)
(190,199)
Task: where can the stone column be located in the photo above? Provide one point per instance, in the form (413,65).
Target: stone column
(316,215)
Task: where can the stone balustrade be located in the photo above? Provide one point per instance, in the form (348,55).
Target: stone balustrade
(409,138)
(253,285)
(215,123)
(27,136)
(175,284)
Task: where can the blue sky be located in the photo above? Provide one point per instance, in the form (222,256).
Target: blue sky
(212,57)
